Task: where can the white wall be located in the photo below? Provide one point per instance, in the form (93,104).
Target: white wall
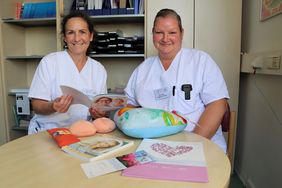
(258,148)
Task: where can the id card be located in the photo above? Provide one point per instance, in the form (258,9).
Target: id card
(162,93)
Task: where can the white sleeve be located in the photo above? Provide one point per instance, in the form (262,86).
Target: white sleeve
(214,84)
(41,84)
(130,89)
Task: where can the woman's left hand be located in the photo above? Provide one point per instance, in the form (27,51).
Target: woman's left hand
(62,104)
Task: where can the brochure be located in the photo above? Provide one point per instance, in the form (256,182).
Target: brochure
(105,102)
(173,152)
(99,146)
(101,167)
(176,161)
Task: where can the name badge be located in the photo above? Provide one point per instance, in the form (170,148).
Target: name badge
(162,93)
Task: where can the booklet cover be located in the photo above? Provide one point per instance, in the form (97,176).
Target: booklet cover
(173,152)
(101,167)
(97,147)
(89,148)
(136,158)
(177,161)
(171,172)
(105,102)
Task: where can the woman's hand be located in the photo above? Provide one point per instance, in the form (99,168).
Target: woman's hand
(211,118)
(62,104)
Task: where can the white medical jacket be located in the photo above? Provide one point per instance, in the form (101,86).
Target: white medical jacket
(58,69)
(150,86)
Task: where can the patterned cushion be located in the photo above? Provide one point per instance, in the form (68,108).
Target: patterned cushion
(148,123)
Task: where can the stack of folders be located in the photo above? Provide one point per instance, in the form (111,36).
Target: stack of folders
(113,43)
(110,7)
(131,45)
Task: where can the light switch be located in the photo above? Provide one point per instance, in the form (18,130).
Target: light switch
(273,62)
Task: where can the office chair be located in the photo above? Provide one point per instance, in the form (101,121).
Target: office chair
(228,125)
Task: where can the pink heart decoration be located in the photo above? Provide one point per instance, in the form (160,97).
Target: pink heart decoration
(170,151)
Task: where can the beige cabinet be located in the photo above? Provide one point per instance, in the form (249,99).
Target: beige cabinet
(23,44)
(218,32)
(3,131)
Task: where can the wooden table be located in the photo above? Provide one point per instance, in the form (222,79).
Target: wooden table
(36,161)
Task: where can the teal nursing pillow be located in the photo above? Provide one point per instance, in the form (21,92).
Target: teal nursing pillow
(148,123)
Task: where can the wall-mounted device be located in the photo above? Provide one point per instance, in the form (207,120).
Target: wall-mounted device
(22,104)
(262,63)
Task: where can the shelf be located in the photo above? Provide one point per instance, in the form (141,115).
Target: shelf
(13,92)
(21,57)
(52,21)
(96,55)
(20,128)
(118,55)
(31,22)
(118,18)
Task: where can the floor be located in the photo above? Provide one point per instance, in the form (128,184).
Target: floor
(235,182)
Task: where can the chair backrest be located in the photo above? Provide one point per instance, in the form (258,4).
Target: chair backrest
(228,125)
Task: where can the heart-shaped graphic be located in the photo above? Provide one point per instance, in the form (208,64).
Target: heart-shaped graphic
(170,151)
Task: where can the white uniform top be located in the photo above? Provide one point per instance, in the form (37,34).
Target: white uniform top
(58,69)
(150,86)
